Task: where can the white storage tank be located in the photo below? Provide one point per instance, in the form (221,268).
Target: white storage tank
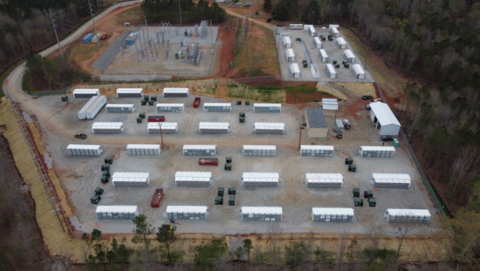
(276,128)
(176,92)
(294,70)
(82,149)
(130,179)
(290,55)
(107,127)
(170,108)
(342,44)
(391,180)
(129,92)
(267,108)
(407,215)
(287,42)
(316,150)
(120,108)
(323,55)
(92,107)
(324,180)
(217,107)
(334,31)
(358,71)
(85,93)
(186,212)
(331,73)
(143,149)
(117,212)
(263,213)
(214,127)
(193,178)
(260,179)
(317,43)
(259,150)
(199,150)
(377,151)
(167,127)
(332,214)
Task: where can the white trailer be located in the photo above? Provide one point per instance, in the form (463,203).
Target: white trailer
(170,108)
(107,127)
(85,93)
(176,92)
(317,43)
(331,73)
(407,215)
(349,56)
(329,214)
(259,150)
(186,212)
(214,127)
(324,180)
(294,70)
(376,151)
(144,149)
(316,150)
(276,128)
(330,104)
(129,92)
(391,180)
(260,179)
(290,55)
(120,108)
(296,26)
(342,44)
(199,150)
(92,107)
(117,212)
(267,108)
(217,107)
(334,31)
(311,31)
(167,127)
(323,55)
(287,42)
(130,179)
(358,71)
(263,213)
(81,149)
(193,178)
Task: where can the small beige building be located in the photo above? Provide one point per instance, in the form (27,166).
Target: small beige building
(316,123)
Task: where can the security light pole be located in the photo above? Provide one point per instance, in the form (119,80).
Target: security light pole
(300,139)
(161,134)
(94,27)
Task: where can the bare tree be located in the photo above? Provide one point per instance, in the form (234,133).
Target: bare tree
(274,233)
(374,234)
(402,234)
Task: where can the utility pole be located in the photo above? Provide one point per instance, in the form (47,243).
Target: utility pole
(55,30)
(161,134)
(300,139)
(211,33)
(94,27)
(180,12)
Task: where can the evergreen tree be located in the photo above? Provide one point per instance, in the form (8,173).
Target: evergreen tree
(281,12)
(267,5)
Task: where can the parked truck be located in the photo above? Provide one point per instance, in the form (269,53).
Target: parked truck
(197,101)
(157,197)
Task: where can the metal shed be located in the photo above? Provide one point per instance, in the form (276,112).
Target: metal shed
(129,92)
(170,108)
(290,55)
(334,31)
(294,70)
(377,151)
(329,214)
(81,149)
(214,127)
(339,126)
(193,178)
(391,180)
(130,179)
(186,212)
(85,93)
(262,213)
(323,55)
(167,127)
(260,179)
(358,71)
(143,149)
(199,150)
(287,42)
(317,43)
(176,92)
(259,150)
(407,215)
(330,104)
(217,107)
(311,31)
(316,123)
(316,150)
(267,108)
(92,107)
(331,73)
(107,127)
(384,119)
(117,212)
(342,44)
(276,128)
(324,180)
(120,108)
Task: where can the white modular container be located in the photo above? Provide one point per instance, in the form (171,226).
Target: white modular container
(143,149)
(287,42)
(342,44)
(317,43)
(316,150)
(117,212)
(92,107)
(276,128)
(267,108)
(193,178)
(334,31)
(167,127)
(176,92)
(330,104)
(130,179)
(320,214)
(259,150)
(217,107)
(186,212)
(263,213)
(324,180)
(314,70)
(199,150)
(296,26)
(80,149)
(294,70)
(349,56)
(85,93)
(358,71)
(170,108)
(120,108)
(214,127)
(407,215)
(323,55)
(311,31)
(391,180)
(129,92)
(290,55)
(107,127)
(260,179)
(331,73)
(376,151)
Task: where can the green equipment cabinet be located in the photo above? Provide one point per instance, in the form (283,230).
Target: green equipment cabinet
(64,98)
(220,191)
(232,191)
(142,115)
(150,103)
(352,168)
(356,192)
(218,200)
(229,159)
(95,199)
(241,119)
(247,102)
(231,200)
(98,191)
(372,202)
(239,102)
(109,160)
(241,114)
(228,166)
(146,98)
(143,102)
(106,167)
(106,173)
(153,98)
(104,179)
(347,65)
(368,194)
(358,202)
(139,120)
(348,160)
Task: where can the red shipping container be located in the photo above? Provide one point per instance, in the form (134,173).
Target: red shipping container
(197,101)
(156,118)
(157,197)
(208,161)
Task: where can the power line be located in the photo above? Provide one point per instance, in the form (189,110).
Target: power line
(55,30)
(94,27)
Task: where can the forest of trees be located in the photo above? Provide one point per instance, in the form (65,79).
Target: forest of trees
(156,11)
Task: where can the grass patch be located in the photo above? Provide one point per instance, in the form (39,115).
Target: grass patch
(268,93)
(81,51)
(6,73)
(25,85)
(301,89)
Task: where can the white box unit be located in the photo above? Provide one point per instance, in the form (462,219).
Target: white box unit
(407,215)
(320,214)
(358,71)
(130,179)
(167,127)
(316,150)
(331,73)
(260,179)
(290,55)
(199,150)
(129,92)
(334,32)
(349,56)
(314,70)
(143,149)
(107,127)
(267,108)
(287,42)
(214,127)
(323,55)
(176,92)
(276,128)
(186,212)
(311,31)
(342,44)
(317,43)
(296,27)
(294,70)
(92,107)
(259,150)
(330,104)
(262,213)
(120,108)
(117,212)
(193,178)
(96,37)
(391,180)
(217,107)
(170,108)
(324,180)
(85,93)
(80,149)
(376,151)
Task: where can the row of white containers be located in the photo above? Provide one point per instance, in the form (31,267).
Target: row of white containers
(357,70)
(131,92)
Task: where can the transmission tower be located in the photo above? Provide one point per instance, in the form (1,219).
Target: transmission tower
(94,27)
(55,30)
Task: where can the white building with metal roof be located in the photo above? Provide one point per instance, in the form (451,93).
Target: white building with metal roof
(193,178)
(264,179)
(143,149)
(391,180)
(186,212)
(130,179)
(324,180)
(407,215)
(332,214)
(384,119)
(116,212)
(263,213)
